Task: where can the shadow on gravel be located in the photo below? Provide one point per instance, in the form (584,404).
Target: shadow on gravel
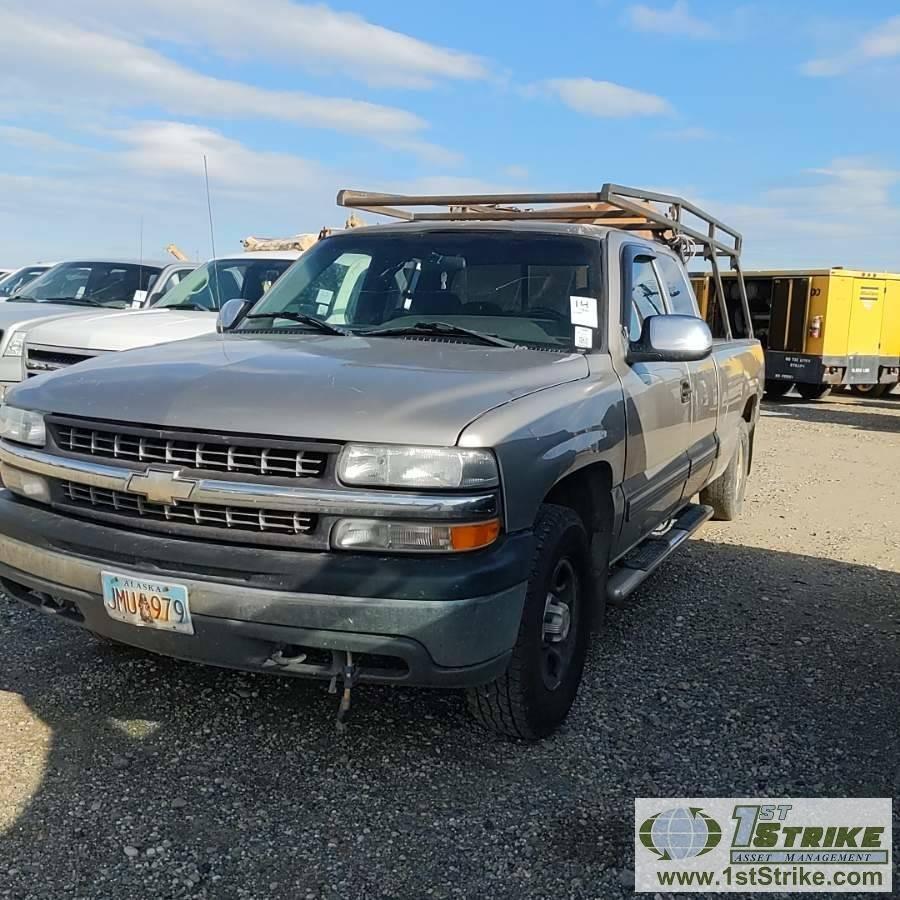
(735,671)
(859,414)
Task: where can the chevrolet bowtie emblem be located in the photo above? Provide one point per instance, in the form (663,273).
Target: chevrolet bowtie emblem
(161,486)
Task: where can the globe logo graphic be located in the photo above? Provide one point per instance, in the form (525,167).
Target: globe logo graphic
(681,833)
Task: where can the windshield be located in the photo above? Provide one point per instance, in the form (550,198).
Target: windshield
(108,284)
(221,280)
(512,286)
(15,281)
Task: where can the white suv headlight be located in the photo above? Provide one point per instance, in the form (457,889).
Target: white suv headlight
(15,345)
(22,426)
(386,465)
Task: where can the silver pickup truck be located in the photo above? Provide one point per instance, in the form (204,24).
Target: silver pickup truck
(429,455)
(174,312)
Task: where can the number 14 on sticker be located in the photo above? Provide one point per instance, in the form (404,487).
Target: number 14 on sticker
(584,311)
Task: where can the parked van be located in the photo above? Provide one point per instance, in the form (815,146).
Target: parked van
(821,328)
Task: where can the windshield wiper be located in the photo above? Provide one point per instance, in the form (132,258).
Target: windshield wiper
(303,319)
(439,329)
(187,305)
(72,301)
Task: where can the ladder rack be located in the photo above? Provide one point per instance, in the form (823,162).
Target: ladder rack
(664,216)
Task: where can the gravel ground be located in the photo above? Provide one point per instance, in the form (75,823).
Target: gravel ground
(761,660)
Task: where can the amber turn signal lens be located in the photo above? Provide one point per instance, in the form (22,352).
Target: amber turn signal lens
(473,537)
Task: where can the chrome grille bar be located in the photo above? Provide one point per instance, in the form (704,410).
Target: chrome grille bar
(102,441)
(136,507)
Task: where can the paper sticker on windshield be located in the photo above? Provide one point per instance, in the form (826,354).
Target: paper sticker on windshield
(584,337)
(584,311)
(139,297)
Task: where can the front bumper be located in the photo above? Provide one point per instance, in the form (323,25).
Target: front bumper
(415,620)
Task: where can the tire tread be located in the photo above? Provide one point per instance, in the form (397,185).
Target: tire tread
(499,705)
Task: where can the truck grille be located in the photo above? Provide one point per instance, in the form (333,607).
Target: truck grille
(47,360)
(261,521)
(136,445)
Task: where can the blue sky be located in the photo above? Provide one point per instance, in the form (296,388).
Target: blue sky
(782,118)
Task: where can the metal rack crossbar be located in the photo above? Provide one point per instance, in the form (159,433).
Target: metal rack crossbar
(615,206)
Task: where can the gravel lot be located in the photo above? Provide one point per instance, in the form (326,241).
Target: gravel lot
(763,659)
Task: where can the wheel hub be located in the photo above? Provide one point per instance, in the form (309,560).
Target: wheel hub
(560,624)
(557,620)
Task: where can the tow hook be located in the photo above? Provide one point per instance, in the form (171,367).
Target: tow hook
(349,675)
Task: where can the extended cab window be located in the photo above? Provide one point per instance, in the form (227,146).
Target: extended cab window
(514,286)
(646,297)
(681,296)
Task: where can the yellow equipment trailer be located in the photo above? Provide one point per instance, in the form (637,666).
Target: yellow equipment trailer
(821,327)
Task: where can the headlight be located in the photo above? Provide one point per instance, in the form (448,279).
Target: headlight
(15,345)
(416,467)
(383,535)
(22,426)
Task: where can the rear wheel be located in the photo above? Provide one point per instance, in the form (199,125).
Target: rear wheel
(813,391)
(534,695)
(869,390)
(775,390)
(726,494)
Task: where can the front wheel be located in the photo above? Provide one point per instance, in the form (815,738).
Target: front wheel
(869,390)
(775,390)
(534,695)
(813,391)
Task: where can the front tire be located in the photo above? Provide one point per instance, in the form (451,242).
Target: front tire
(775,390)
(813,391)
(532,698)
(726,494)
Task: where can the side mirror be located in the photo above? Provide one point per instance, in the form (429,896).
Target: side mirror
(672,339)
(231,311)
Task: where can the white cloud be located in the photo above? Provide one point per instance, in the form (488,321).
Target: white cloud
(63,60)
(37,141)
(176,148)
(605,99)
(153,171)
(676,20)
(845,213)
(311,37)
(882,42)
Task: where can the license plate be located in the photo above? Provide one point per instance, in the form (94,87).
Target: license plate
(147,602)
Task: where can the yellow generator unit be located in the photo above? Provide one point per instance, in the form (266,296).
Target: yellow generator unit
(822,327)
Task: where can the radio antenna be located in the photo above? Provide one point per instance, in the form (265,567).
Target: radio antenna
(212,237)
(140,259)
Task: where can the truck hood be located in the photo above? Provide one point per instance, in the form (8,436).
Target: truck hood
(382,390)
(124,329)
(12,313)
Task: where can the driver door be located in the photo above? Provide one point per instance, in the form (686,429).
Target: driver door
(657,409)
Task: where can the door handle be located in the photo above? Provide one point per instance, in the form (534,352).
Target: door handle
(686,391)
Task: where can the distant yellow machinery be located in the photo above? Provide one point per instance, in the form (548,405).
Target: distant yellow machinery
(821,327)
